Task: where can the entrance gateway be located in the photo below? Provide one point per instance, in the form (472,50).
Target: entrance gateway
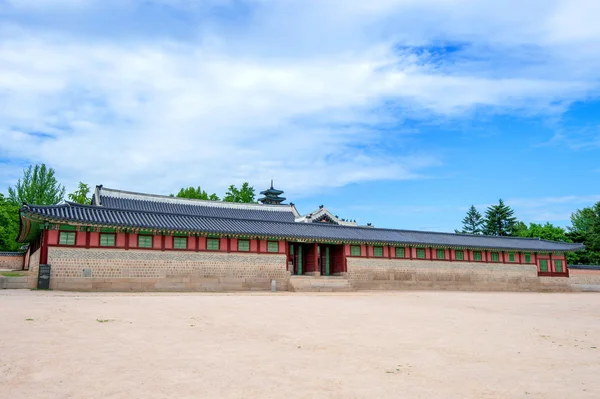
(315,259)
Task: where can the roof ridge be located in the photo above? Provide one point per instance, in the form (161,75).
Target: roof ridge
(192,201)
(103,208)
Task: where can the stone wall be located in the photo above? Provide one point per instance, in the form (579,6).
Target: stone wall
(11,260)
(146,270)
(34,266)
(402,274)
(585,279)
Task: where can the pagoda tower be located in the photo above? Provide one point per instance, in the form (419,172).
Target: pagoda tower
(271,196)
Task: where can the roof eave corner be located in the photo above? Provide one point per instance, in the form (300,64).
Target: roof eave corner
(96,199)
(296,213)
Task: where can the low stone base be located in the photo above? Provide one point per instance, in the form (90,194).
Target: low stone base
(318,284)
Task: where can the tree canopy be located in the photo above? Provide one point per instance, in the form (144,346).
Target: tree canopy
(544,231)
(38,186)
(244,194)
(9,225)
(585,228)
(81,195)
(195,193)
(472,223)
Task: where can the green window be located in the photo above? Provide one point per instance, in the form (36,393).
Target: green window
(543,265)
(107,240)
(440,254)
(459,254)
(477,255)
(527,257)
(378,251)
(66,238)
(212,244)
(420,253)
(145,241)
(355,250)
(273,246)
(180,242)
(495,257)
(558,267)
(291,249)
(400,252)
(243,245)
(511,256)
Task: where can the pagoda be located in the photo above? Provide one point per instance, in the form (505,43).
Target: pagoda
(271,196)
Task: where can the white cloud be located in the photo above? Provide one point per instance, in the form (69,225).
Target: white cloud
(293,93)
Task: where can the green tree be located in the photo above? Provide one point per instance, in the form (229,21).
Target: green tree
(585,228)
(472,223)
(544,231)
(244,194)
(37,187)
(195,193)
(9,225)
(81,195)
(499,220)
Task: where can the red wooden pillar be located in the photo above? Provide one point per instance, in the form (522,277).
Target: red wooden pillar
(44,247)
(126,240)
(410,252)
(430,253)
(87,239)
(257,246)
(450,253)
(551,265)
(503,257)
(162,242)
(228,244)
(197,243)
(316,255)
(389,252)
(468,255)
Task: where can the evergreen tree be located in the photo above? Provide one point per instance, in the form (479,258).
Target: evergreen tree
(81,195)
(500,220)
(38,187)
(472,223)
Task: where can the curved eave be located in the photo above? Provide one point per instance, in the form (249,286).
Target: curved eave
(29,228)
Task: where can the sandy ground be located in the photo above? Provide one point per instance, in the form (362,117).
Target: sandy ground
(391,345)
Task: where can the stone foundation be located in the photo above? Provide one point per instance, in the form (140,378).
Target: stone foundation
(402,274)
(142,270)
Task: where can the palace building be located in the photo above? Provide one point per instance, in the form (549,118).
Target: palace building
(128,241)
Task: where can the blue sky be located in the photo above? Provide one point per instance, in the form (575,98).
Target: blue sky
(401,113)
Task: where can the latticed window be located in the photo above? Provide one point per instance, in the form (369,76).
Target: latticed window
(420,253)
(145,241)
(243,245)
(378,251)
(511,256)
(355,250)
(400,252)
(459,254)
(495,257)
(66,238)
(273,246)
(440,254)
(558,266)
(477,255)
(212,244)
(107,240)
(543,265)
(180,242)
(527,257)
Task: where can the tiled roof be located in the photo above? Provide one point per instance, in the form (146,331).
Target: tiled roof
(11,253)
(162,204)
(585,267)
(147,219)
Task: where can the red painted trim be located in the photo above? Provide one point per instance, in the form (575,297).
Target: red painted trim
(197,243)
(126,241)
(228,244)
(410,256)
(257,246)
(162,242)
(87,239)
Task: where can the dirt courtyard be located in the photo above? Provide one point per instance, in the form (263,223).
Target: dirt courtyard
(357,345)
